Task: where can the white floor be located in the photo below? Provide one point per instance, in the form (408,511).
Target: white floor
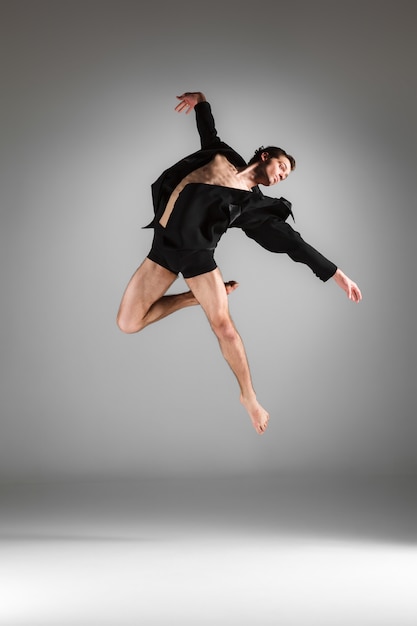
(243,551)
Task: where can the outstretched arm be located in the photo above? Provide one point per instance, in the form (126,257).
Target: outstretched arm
(188,100)
(352,290)
(204,118)
(276,235)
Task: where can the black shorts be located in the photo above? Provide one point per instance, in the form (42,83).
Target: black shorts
(189,263)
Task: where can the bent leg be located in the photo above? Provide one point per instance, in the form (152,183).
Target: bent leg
(144,301)
(209,291)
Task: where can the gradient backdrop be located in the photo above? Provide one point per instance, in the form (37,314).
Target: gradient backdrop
(88,123)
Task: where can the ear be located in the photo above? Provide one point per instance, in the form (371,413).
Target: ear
(265,156)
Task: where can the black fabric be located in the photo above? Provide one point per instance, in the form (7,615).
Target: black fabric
(203,213)
(189,263)
(280,237)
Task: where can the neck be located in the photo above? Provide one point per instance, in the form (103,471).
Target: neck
(249,175)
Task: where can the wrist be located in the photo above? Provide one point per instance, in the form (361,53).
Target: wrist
(338,274)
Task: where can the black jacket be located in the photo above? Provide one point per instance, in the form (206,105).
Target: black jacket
(219,208)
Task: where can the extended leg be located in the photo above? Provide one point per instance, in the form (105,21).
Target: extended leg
(209,291)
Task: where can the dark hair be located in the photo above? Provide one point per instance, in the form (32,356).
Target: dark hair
(274,153)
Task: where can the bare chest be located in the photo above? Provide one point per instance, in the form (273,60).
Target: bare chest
(218,172)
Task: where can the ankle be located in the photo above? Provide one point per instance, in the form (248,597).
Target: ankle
(190,298)
(248,398)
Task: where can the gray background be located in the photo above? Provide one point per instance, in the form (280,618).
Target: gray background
(88,92)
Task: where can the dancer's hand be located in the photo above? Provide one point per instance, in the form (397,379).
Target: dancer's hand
(352,290)
(189,99)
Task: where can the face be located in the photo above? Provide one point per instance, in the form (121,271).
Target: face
(275,169)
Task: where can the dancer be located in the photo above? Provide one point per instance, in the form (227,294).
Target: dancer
(195,202)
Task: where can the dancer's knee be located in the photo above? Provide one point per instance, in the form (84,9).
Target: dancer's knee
(128,326)
(224,328)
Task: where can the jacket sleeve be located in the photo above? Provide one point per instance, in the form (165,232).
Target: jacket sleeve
(205,126)
(278,236)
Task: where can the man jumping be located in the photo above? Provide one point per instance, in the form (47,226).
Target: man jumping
(195,202)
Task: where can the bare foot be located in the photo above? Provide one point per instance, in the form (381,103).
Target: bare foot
(231,285)
(257,413)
